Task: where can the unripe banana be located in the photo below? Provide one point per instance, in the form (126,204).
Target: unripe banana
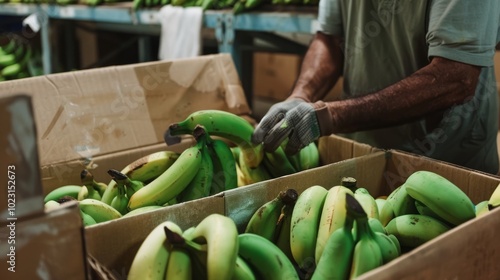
(387,246)
(366,200)
(482,208)
(367,254)
(51,205)
(171,182)
(225,176)
(179,264)
(336,257)
(267,260)
(227,125)
(87,219)
(442,196)
(309,156)
(402,203)
(141,210)
(87,179)
(277,163)
(306,218)
(221,236)
(120,201)
(144,169)
(285,226)
(242,271)
(265,220)
(151,259)
(100,211)
(67,190)
(422,209)
(494,200)
(253,175)
(332,216)
(380,204)
(201,184)
(413,230)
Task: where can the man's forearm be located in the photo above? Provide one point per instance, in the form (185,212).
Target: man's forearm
(321,68)
(438,86)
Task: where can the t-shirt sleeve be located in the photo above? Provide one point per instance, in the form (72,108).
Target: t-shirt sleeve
(329,19)
(464,30)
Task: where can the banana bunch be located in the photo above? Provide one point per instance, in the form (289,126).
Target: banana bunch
(494,200)
(14,58)
(213,249)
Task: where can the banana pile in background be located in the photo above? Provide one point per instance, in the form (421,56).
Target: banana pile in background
(238,6)
(222,158)
(17,59)
(339,233)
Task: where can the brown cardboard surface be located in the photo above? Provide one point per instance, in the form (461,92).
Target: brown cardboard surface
(115,243)
(85,114)
(49,246)
(21,194)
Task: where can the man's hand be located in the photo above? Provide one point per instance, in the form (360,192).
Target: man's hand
(295,119)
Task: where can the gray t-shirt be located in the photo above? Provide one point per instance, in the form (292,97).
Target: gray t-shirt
(385,41)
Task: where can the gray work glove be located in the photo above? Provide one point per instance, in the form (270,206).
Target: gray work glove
(299,121)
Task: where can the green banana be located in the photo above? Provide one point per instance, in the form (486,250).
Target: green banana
(422,209)
(227,125)
(87,190)
(494,200)
(277,163)
(87,219)
(101,212)
(482,208)
(144,169)
(221,236)
(10,47)
(306,217)
(179,264)
(151,259)
(283,233)
(51,205)
(441,196)
(366,200)
(367,254)
(380,203)
(242,271)
(171,182)
(266,259)
(87,178)
(67,190)
(402,203)
(253,175)
(120,201)
(226,177)
(332,217)
(141,210)
(413,230)
(201,184)
(336,256)
(309,156)
(389,249)
(265,220)
(130,186)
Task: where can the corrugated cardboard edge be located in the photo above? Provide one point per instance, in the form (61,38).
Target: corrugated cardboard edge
(335,148)
(113,244)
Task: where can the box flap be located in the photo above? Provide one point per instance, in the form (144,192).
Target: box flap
(88,113)
(21,193)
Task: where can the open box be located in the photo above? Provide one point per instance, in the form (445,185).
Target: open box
(468,251)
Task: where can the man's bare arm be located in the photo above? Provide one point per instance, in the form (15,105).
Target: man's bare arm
(321,68)
(435,87)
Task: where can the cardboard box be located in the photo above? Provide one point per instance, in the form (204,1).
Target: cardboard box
(274,74)
(469,251)
(84,118)
(21,194)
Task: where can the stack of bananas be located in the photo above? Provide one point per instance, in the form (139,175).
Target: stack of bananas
(212,250)
(223,158)
(344,232)
(14,60)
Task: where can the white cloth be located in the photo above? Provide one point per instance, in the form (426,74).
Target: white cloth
(180,32)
